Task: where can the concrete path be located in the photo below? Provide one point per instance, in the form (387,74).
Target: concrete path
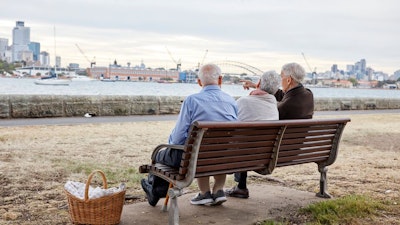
(265,200)
(144,118)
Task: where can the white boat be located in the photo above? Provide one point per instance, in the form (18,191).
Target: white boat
(52,81)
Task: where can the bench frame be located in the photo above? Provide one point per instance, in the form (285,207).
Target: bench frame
(214,148)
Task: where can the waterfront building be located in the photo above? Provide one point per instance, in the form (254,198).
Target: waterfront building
(43,71)
(21,40)
(114,72)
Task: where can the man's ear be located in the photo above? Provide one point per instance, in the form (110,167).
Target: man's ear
(199,82)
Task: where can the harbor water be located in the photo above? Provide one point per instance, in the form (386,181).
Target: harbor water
(14,86)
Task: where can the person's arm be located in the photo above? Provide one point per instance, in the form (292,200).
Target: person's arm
(248,84)
(179,133)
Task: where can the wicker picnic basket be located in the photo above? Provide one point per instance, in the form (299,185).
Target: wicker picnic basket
(104,210)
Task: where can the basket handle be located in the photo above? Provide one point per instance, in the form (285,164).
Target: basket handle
(90,180)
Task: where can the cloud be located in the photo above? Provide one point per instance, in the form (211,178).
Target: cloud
(265,34)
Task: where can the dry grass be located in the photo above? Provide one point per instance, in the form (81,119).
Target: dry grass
(36,161)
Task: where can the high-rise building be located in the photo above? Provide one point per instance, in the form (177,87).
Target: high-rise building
(21,40)
(3,48)
(35,48)
(58,61)
(334,68)
(44,59)
(363,66)
(350,69)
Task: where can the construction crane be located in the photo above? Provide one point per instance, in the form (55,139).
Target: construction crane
(204,57)
(178,63)
(309,67)
(93,62)
(313,72)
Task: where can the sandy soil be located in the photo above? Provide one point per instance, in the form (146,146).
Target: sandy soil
(36,161)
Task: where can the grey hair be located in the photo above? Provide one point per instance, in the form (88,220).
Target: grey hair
(209,74)
(269,82)
(295,71)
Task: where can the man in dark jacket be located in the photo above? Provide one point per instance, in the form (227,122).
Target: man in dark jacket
(294,102)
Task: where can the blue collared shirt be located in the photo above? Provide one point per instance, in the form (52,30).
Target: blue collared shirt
(210,104)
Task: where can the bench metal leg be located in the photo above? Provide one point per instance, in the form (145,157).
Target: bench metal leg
(323,183)
(174,193)
(164,208)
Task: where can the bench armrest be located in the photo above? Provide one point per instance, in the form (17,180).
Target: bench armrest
(162,146)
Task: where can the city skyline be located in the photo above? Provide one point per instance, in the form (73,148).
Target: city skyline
(265,35)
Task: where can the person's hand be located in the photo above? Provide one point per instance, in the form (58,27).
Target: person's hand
(247,84)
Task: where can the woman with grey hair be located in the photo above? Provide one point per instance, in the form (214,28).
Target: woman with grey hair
(294,102)
(261,103)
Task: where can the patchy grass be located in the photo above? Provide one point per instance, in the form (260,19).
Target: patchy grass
(351,209)
(345,210)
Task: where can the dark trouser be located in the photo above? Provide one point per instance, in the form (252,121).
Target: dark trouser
(241,178)
(170,157)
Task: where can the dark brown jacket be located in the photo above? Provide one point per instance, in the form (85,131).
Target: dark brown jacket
(297,103)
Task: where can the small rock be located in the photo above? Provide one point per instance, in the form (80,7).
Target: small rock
(388,191)
(11,215)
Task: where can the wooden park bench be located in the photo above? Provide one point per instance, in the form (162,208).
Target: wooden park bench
(214,148)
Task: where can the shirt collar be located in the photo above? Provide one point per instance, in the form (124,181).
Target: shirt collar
(210,87)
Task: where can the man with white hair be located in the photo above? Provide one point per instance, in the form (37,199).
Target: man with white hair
(210,104)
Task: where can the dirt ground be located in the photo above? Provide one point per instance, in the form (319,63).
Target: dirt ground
(36,161)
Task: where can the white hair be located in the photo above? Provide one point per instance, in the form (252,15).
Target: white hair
(269,82)
(209,74)
(295,71)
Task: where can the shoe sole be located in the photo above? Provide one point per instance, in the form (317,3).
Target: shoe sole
(239,196)
(219,201)
(202,202)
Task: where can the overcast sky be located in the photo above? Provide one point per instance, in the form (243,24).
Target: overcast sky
(263,33)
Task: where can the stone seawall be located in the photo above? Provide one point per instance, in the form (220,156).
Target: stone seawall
(37,106)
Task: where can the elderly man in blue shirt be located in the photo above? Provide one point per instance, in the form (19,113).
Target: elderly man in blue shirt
(210,104)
